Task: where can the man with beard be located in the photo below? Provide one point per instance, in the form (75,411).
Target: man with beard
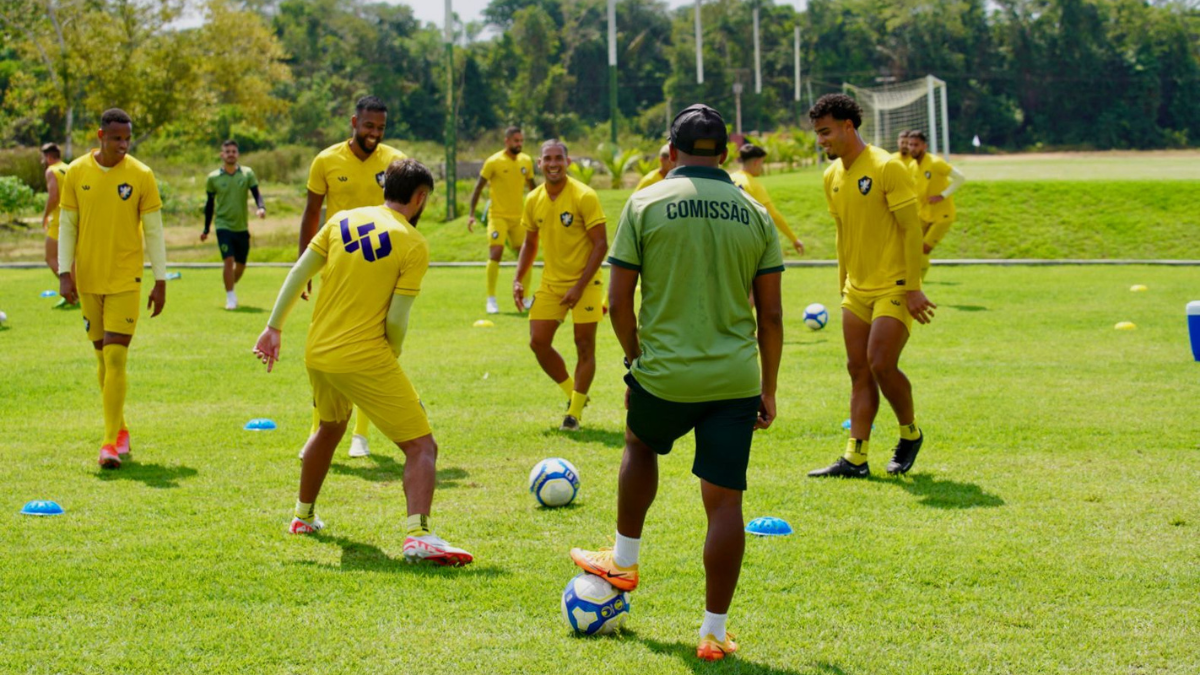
(350,174)
(371,260)
(873,204)
(936,183)
(565,215)
(901,152)
(510,173)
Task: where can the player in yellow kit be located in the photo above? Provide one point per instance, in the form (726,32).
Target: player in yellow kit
(879,270)
(109,202)
(665,164)
(345,176)
(936,183)
(372,261)
(510,174)
(751,158)
(902,152)
(565,216)
(56,170)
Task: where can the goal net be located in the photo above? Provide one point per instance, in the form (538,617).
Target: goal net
(892,108)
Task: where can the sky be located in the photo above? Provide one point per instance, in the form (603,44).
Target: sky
(472,10)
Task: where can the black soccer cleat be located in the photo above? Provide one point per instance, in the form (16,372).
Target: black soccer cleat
(842,468)
(904,454)
(569,423)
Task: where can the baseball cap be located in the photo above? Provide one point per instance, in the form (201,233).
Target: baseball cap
(699,130)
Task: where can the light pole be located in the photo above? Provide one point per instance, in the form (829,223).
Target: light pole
(796,97)
(451,126)
(737,99)
(612,68)
(699,46)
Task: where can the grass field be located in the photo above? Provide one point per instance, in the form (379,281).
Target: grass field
(1049,526)
(1099,205)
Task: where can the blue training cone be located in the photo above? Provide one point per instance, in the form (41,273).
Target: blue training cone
(42,507)
(260,424)
(49,294)
(766,526)
(846,425)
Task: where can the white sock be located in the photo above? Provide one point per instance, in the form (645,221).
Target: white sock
(625,552)
(714,625)
(230,296)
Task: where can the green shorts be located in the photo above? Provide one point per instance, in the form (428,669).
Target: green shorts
(724,431)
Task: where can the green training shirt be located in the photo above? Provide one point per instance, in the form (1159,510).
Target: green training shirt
(232,191)
(698,242)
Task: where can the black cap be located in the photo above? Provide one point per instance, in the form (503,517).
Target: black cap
(699,130)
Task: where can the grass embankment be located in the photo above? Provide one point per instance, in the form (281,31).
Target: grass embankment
(1049,525)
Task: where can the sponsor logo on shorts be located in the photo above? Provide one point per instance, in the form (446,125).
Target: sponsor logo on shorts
(864,185)
(343,178)
(125,190)
(87,325)
(128,320)
(495,235)
(589,309)
(566,218)
(379,177)
(896,303)
(87,187)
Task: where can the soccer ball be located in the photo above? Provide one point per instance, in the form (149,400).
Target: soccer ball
(554,482)
(591,606)
(816,316)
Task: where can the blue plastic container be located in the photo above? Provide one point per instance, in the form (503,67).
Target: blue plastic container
(171,276)
(767,526)
(1193,312)
(260,424)
(42,507)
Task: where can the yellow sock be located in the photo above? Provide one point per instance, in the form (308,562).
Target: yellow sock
(418,525)
(856,452)
(362,423)
(568,386)
(493,275)
(316,421)
(304,511)
(100,358)
(527,281)
(577,402)
(910,432)
(114,391)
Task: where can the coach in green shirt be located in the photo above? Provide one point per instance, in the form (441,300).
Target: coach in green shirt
(699,245)
(227,189)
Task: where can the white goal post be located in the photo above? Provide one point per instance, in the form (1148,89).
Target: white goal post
(891,108)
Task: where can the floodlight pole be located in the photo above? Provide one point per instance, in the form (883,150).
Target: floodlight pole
(757,54)
(451,126)
(797,94)
(699,46)
(737,99)
(612,69)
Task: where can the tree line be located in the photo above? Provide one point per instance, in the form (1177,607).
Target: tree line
(1020,73)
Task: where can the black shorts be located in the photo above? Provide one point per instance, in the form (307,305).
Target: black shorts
(234,245)
(724,431)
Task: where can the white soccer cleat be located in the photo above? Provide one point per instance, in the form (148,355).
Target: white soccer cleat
(434,549)
(231,305)
(300,526)
(493,307)
(359,447)
(528,302)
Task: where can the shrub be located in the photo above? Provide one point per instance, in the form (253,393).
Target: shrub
(15,196)
(24,164)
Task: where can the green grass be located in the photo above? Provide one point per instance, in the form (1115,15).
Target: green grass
(1050,524)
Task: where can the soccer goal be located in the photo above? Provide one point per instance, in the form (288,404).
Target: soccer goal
(891,108)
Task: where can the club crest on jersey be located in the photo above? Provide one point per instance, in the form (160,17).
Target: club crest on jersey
(864,185)
(928,175)
(125,190)
(566,218)
(524,171)
(379,177)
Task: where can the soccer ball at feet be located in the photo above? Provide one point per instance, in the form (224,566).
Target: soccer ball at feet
(554,482)
(591,606)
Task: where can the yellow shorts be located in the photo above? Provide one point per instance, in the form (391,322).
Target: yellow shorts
(501,229)
(117,313)
(872,306)
(589,309)
(385,395)
(52,231)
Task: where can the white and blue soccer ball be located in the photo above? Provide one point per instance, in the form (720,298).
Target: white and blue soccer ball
(554,482)
(816,316)
(591,606)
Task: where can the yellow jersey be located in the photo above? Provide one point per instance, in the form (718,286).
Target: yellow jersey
(347,181)
(932,175)
(563,223)
(60,171)
(507,176)
(756,190)
(649,179)
(110,203)
(870,243)
(371,254)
